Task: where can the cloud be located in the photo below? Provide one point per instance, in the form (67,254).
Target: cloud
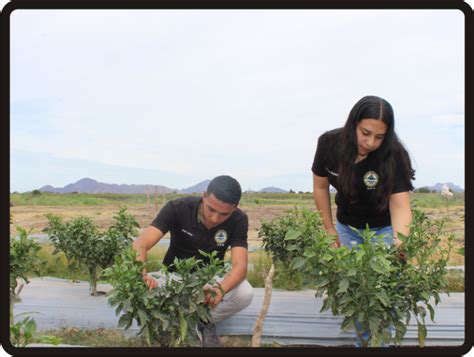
(449,120)
(195,93)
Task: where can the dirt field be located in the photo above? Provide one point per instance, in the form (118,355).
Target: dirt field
(33,217)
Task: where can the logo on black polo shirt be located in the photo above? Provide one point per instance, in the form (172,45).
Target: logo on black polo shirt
(371,179)
(220,237)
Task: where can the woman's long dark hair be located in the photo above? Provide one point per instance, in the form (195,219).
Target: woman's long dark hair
(390,151)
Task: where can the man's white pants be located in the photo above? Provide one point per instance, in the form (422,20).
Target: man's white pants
(234,300)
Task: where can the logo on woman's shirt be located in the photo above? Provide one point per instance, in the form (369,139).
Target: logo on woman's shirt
(371,179)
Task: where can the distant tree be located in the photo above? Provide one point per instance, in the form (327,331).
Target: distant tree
(291,191)
(423,189)
(36,193)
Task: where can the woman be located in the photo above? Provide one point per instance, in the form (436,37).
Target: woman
(371,171)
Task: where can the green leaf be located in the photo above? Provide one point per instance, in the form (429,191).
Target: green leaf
(54,340)
(326,257)
(348,311)
(124,320)
(383,298)
(292,234)
(346,299)
(432,312)
(321,282)
(309,254)
(425,295)
(30,328)
(352,272)
(360,254)
(343,285)
(347,324)
(374,323)
(377,266)
(298,263)
(142,317)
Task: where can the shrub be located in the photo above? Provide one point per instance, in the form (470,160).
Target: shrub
(23,261)
(83,242)
(168,314)
(381,286)
(287,238)
(372,286)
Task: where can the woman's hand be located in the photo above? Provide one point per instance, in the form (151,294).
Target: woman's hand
(396,242)
(332,232)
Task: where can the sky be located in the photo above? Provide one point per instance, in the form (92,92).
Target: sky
(175,97)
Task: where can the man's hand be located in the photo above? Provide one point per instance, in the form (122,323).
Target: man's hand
(150,282)
(210,298)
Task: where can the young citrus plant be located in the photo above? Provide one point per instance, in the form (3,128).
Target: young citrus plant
(24,261)
(375,288)
(378,288)
(168,314)
(83,242)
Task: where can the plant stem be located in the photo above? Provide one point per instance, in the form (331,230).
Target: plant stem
(93,280)
(258,329)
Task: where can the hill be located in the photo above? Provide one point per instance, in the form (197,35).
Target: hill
(454,188)
(88,185)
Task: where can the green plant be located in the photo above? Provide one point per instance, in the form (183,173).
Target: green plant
(23,332)
(424,275)
(380,286)
(166,315)
(357,285)
(83,242)
(372,286)
(287,238)
(23,261)
(125,224)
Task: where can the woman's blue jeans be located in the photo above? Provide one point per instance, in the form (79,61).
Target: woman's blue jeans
(350,238)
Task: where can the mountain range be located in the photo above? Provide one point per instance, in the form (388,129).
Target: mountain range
(451,186)
(88,185)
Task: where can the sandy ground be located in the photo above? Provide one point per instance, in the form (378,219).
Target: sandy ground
(34,217)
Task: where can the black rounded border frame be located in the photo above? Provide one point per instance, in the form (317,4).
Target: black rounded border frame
(229,5)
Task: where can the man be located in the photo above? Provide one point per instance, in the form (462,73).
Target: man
(209,223)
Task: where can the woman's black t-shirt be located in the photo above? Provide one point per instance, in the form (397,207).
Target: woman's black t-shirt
(363,211)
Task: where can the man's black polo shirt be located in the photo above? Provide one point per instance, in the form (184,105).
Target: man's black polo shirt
(179,217)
